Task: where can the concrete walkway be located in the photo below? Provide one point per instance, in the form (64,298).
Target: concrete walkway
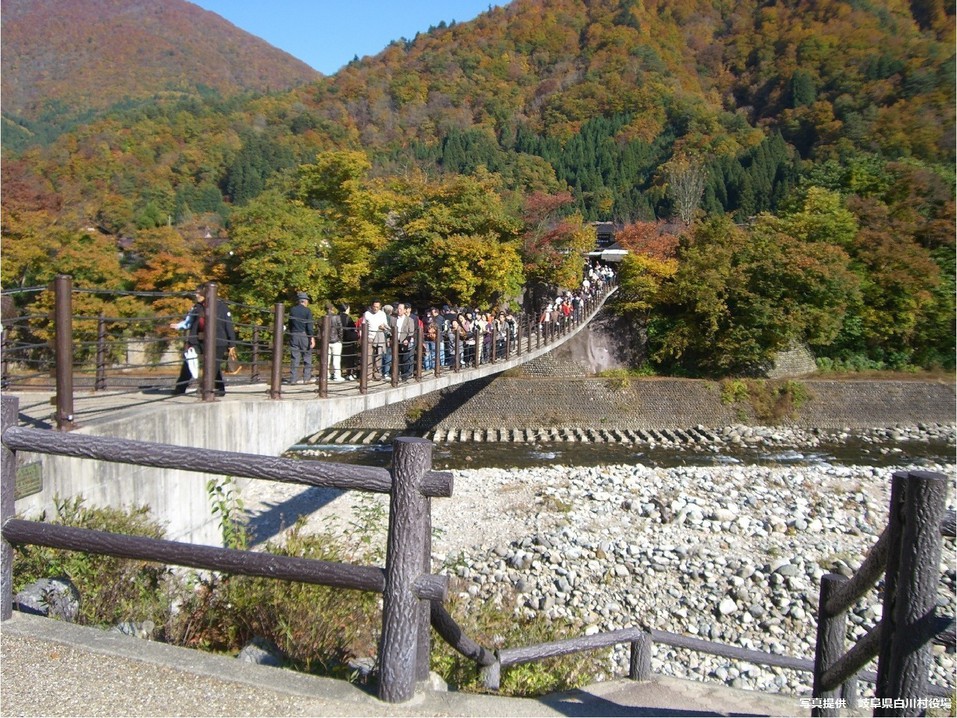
(50,668)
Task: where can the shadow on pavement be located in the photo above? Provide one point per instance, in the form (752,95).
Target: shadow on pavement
(277,517)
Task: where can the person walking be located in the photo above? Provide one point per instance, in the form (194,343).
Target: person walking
(376,323)
(302,339)
(224,340)
(335,344)
(350,345)
(403,332)
(185,373)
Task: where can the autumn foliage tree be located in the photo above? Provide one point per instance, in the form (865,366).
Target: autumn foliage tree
(277,247)
(166,262)
(450,240)
(650,263)
(738,296)
(553,242)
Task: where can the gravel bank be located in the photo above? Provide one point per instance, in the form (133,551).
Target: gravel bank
(732,554)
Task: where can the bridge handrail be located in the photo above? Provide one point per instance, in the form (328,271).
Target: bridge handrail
(68,373)
(406,582)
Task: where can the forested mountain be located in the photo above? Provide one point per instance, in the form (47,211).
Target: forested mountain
(66,59)
(825,125)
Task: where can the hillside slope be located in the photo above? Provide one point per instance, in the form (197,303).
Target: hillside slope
(71,56)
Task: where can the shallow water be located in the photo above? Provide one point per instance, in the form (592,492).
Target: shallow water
(463,455)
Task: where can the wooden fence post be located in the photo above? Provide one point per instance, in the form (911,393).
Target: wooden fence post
(4,368)
(275,383)
(324,356)
(898,488)
(909,627)
(99,383)
(830,642)
(393,349)
(210,350)
(8,477)
(419,349)
(404,616)
(639,667)
(254,361)
(365,358)
(63,342)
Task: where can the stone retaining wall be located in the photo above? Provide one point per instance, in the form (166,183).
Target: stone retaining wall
(656,404)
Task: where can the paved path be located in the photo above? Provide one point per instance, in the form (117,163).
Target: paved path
(54,669)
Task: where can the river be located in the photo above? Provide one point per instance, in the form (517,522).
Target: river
(856,449)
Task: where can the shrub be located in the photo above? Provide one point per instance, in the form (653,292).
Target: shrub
(318,629)
(494,626)
(112,590)
(771,401)
(617,379)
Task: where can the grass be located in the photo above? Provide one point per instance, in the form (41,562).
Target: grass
(495,627)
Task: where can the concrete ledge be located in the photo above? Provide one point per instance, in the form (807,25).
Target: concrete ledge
(55,668)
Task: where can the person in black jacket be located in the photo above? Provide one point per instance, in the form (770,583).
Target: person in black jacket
(185,375)
(350,344)
(302,339)
(224,341)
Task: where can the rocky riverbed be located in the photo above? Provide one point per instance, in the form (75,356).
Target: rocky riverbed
(732,554)
(729,554)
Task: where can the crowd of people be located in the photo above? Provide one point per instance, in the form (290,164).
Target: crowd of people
(451,336)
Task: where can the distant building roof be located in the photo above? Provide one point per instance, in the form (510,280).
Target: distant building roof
(605,233)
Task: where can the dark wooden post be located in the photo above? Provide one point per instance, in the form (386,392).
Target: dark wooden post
(456,363)
(99,383)
(8,477)
(324,356)
(210,350)
(439,351)
(830,642)
(4,369)
(639,668)
(254,367)
(63,332)
(394,351)
(894,530)
(419,348)
(404,616)
(910,626)
(275,383)
(365,358)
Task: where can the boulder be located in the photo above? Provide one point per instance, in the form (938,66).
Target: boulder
(51,597)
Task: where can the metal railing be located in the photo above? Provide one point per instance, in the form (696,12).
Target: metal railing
(86,358)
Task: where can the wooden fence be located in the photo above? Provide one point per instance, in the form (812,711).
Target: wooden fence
(907,555)
(908,552)
(406,583)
